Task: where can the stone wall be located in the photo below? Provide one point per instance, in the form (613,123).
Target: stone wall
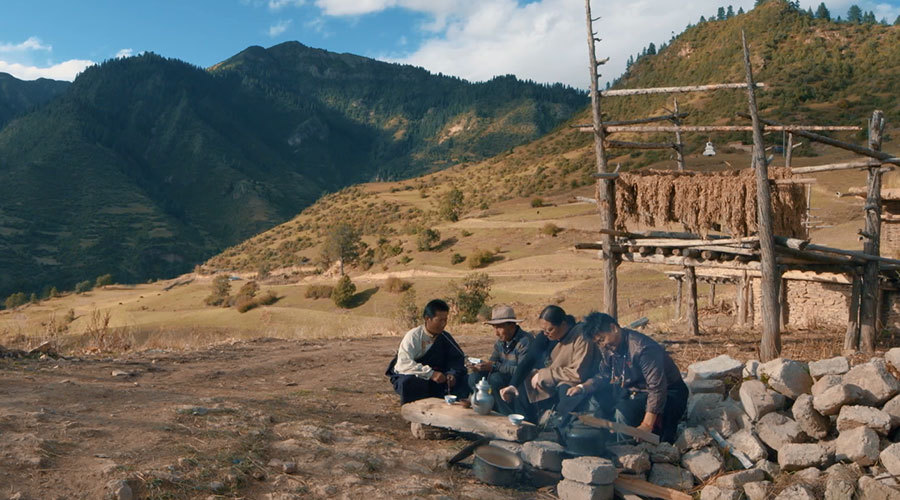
(810,304)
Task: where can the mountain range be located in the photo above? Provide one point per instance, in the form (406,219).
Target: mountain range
(145,166)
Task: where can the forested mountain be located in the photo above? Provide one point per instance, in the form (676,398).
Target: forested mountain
(19,96)
(145,166)
(423,120)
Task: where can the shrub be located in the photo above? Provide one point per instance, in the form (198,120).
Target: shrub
(249,289)
(84,286)
(466,234)
(244,303)
(457,258)
(450,206)
(407,313)
(406,259)
(471,295)
(551,229)
(318,291)
(396,285)
(15,300)
(103,280)
(53,293)
(427,239)
(221,289)
(343,292)
(267,298)
(480,258)
(537,202)
(70,316)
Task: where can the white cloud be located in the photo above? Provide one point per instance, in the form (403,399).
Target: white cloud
(124,53)
(280,4)
(545,40)
(66,70)
(279,27)
(32,43)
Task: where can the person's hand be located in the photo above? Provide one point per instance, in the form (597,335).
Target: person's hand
(484,366)
(536,382)
(648,423)
(451,380)
(574,391)
(438,377)
(508,393)
(645,427)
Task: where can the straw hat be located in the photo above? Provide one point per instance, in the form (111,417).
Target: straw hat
(502,314)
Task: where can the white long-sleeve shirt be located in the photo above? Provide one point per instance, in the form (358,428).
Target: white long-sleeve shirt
(414,344)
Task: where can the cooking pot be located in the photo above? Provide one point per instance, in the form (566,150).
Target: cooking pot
(583,439)
(496,466)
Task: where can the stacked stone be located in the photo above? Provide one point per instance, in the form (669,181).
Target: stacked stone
(587,478)
(832,426)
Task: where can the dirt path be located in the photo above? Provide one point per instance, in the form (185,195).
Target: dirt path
(215,422)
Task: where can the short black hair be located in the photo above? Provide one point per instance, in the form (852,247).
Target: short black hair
(433,306)
(595,323)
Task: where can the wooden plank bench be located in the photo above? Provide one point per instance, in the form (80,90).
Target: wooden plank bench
(435,412)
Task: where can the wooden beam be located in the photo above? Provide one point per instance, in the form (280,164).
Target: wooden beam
(789,152)
(853,253)
(686,243)
(635,129)
(742,299)
(437,413)
(602,423)
(678,297)
(868,297)
(625,485)
(851,337)
(606,175)
(871,153)
(770,346)
(676,90)
(712,294)
(679,148)
(785,182)
(606,188)
(852,165)
(637,121)
(640,145)
(692,311)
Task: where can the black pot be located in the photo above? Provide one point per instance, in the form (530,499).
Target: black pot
(496,466)
(584,440)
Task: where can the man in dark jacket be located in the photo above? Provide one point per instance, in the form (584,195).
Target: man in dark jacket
(510,348)
(635,376)
(429,362)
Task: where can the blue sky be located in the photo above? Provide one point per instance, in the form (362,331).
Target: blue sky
(542,40)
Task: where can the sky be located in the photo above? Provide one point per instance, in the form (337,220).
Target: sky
(540,40)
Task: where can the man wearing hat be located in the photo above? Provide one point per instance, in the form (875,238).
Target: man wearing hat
(511,346)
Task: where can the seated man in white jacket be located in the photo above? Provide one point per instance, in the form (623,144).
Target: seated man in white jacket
(429,362)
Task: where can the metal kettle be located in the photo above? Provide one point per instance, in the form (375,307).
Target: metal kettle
(482,400)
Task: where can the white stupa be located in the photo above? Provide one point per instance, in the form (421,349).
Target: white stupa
(710,150)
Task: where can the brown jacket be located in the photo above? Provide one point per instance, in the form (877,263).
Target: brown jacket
(571,362)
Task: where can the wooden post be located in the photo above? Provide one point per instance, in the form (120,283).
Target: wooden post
(868,300)
(606,188)
(770,346)
(678,295)
(693,318)
(741,294)
(782,300)
(788,153)
(712,294)
(851,338)
(679,151)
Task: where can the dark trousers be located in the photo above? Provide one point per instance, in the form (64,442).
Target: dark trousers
(633,406)
(497,381)
(412,388)
(563,404)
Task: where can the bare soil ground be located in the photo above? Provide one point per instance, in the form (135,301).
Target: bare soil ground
(177,423)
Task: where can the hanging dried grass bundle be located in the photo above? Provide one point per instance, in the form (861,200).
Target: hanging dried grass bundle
(705,202)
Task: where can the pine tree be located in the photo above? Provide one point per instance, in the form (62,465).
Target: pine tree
(702,19)
(651,49)
(740,10)
(897,21)
(823,13)
(869,18)
(854,14)
(342,294)
(720,14)
(729,13)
